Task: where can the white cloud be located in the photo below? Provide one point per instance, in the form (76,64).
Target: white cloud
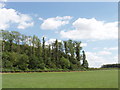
(94,60)
(92,29)
(107,48)
(111,48)
(83,44)
(24,25)
(11,16)
(3,0)
(104,53)
(41,19)
(50,41)
(54,23)
(96,48)
(2,4)
(97,59)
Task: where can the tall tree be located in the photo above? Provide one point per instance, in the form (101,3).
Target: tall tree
(11,38)
(34,44)
(85,63)
(34,54)
(60,50)
(71,47)
(66,48)
(71,51)
(43,50)
(78,48)
(23,39)
(49,50)
(38,50)
(30,44)
(56,52)
(5,38)
(16,36)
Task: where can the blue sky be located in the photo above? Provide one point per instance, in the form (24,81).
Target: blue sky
(71,21)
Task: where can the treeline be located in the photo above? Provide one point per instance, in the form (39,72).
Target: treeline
(111,66)
(26,53)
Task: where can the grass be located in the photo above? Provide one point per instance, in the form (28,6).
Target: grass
(85,79)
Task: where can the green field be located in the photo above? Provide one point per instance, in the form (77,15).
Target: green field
(85,79)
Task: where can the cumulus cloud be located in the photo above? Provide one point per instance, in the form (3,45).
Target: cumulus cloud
(3,0)
(41,19)
(96,59)
(54,23)
(11,16)
(50,41)
(2,4)
(92,29)
(83,44)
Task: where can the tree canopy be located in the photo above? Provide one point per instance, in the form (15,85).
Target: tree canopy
(21,52)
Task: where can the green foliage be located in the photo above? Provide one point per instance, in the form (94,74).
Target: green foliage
(11,60)
(26,53)
(65,63)
(85,62)
(33,62)
(73,66)
(23,62)
(111,66)
(77,49)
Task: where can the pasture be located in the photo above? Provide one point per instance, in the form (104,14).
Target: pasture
(84,79)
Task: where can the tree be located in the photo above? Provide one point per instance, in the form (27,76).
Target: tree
(23,62)
(71,47)
(52,56)
(49,50)
(6,63)
(34,42)
(38,50)
(71,51)
(66,47)
(77,49)
(56,52)
(24,39)
(5,38)
(65,63)
(28,52)
(11,38)
(30,44)
(33,61)
(16,36)
(85,63)
(43,51)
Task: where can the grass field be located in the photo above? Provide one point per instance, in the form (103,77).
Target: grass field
(85,79)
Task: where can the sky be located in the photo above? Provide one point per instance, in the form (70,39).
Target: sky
(95,24)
